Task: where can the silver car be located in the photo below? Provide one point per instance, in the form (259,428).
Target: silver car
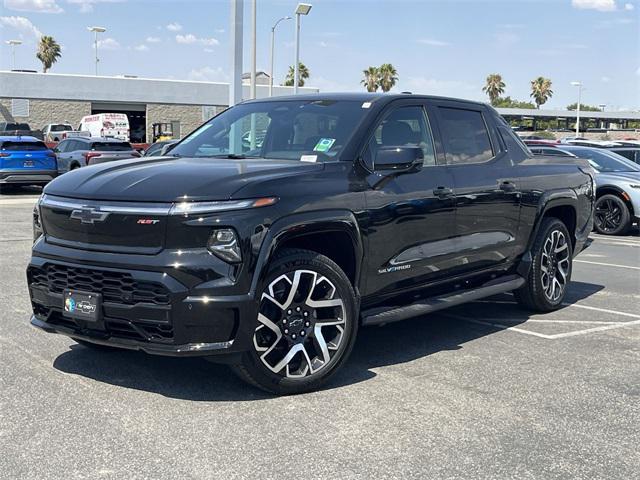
(618,189)
(79,152)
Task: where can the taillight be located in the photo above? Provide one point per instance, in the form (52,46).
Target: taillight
(5,154)
(89,155)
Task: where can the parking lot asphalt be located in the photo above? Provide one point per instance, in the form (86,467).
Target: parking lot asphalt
(485,390)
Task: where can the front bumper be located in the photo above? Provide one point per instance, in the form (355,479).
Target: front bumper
(27,177)
(150,311)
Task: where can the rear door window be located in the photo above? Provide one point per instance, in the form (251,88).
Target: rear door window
(465,136)
(111,146)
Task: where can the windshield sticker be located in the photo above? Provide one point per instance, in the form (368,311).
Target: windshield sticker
(309,158)
(324,144)
(366,105)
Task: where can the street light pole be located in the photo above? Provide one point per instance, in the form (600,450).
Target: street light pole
(301,9)
(579,85)
(273,41)
(96,30)
(13,44)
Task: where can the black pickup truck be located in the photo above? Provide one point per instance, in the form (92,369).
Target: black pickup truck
(19,129)
(275,230)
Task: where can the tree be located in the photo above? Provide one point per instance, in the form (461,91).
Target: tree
(48,52)
(387,77)
(303,74)
(583,107)
(494,87)
(371,79)
(508,102)
(541,90)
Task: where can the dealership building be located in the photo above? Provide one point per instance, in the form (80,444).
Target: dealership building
(39,99)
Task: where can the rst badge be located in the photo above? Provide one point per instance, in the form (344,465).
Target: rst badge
(147,221)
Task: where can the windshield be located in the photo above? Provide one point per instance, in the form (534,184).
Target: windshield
(61,128)
(309,130)
(606,162)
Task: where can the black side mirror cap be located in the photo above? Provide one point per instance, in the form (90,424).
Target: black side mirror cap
(398,158)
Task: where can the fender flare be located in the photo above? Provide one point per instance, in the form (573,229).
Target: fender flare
(565,197)
(302,224)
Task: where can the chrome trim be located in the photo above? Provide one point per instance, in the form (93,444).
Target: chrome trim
(107,206)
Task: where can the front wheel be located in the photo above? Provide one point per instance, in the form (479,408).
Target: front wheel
(611,216)
(305,327)
(550,273)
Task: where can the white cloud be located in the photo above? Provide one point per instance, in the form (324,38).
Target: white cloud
(605,79)
(22,25)
(86,6)
(506,38)
(433,43)
(446,88)
(141,48)
(600,5)
(39,6)
(208,74)
(108,44)
(152,40)
(638,72)
(174,27)
(219,30)
(628,6)
(190,39)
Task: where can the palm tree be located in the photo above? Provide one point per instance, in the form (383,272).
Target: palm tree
(494,87)
(371,79)
(303,74)
(48,52)
(387,77)
(541,90)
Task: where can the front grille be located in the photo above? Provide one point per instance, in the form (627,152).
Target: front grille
(115,287)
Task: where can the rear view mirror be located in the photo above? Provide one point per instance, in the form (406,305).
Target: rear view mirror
(398,158)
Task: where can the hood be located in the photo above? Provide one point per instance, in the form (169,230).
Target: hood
(609,177)
(167,179)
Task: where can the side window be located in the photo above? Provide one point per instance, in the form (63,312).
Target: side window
(465,136)
(405,126)
(62,146)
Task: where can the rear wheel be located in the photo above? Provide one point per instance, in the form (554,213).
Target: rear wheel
(550,273)
(306,325)
(611,216)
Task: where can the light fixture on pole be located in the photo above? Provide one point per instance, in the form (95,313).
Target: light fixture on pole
(96,31)
(301,9)
(273,41)
(602,106)
(579,85)
(13,44)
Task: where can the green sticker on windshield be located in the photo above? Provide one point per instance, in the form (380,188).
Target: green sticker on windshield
(324,144)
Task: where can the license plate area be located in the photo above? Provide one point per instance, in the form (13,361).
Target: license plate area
(84,306)
(28,164)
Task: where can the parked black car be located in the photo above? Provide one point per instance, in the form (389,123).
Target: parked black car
(356,209)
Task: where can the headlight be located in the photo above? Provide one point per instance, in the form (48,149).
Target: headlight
(186,208)
(224,244)
(37,225)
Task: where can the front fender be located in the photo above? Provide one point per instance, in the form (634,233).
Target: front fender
(301,224)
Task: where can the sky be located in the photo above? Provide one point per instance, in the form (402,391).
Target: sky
(439,47)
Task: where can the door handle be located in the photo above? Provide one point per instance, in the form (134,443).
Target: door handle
(507,186)
(442,192)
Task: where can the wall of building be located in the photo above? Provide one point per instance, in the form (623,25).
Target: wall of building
(42,112)
(189,116)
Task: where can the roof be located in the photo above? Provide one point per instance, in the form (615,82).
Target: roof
(260,73)
(533,112)
(359,97)
(98,139)
(18,138)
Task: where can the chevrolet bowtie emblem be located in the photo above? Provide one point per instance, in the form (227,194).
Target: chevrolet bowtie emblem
(89,215)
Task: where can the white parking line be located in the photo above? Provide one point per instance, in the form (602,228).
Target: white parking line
(603,310)
(613,265)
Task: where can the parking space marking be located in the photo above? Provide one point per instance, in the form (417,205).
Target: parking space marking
(502,326)
(603,310)
(613,265)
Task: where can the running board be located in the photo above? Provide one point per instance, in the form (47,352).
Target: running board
(379,316)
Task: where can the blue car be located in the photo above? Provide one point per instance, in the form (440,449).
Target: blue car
(26,161)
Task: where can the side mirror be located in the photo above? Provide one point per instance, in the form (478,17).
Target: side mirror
(398,158)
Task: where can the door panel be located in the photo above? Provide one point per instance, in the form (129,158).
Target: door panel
(411,214)
(487,190)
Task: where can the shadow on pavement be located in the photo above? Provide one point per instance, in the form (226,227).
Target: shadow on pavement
(196,379)
(17,191)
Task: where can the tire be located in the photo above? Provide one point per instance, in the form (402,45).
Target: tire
(74,166)
(306,327)
(95,346)
(612,216)
(546,284)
